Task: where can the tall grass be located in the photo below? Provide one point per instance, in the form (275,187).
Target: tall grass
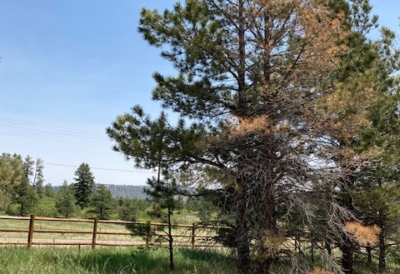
(19,260)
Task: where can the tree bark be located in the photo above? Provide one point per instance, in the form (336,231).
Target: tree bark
(267,231)
(347,255)
(242,237)
(369,254)
(382,251)
(171,241)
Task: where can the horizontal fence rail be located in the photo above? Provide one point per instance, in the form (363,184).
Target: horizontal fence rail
(141,233)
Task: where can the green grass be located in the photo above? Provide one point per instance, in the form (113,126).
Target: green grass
(19,260)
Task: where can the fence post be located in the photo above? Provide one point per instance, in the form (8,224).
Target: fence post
(193,234)
(148,233)
(31,228)
(94,233)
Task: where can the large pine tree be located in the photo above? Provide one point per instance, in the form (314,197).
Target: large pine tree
(273,97)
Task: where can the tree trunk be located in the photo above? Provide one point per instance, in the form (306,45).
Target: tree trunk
(347,255)
(312,247)
(171,241)
(382,251)
(369,254)
(267,233)
(242,237)
(347,245)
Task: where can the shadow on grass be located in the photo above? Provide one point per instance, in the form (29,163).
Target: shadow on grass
(205,255)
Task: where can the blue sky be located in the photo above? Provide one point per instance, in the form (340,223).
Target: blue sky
(69,68)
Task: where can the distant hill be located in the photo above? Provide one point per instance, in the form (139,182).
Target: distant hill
(122,191)
(127,191)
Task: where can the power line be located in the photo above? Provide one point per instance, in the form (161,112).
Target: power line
(55,140)
(61,133)
(103,168)
(51,129)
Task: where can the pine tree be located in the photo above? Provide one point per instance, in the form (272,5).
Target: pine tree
(48,191)
(11,174)
(360,150)
(165,192)
(23,194)
(128,210)
(102,203)
(84,185)
(65,200)
(266,88)
(376,195)
(38,178)
(28,166)
(26,197)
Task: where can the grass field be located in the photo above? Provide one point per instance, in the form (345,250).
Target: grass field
(19,260)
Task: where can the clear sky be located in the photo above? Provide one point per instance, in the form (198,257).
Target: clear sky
(69,68)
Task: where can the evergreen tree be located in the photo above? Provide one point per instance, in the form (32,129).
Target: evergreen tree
(28,166)
(128,210)
(38,178)
(84,185)
(65,200)
(102,203)
(26,197)
(376,193)
(23,194)
(165,192)
(267,88)
(48,191)
(11,174)
(360,150)
(133,209)
(11,169)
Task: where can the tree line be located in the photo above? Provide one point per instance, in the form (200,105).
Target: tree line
(288,122)
(23,192)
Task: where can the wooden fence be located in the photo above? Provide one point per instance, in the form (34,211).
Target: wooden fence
(193,236)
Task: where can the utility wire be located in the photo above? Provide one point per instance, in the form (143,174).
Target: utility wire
(61,133)
(52,127)
(56,140)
